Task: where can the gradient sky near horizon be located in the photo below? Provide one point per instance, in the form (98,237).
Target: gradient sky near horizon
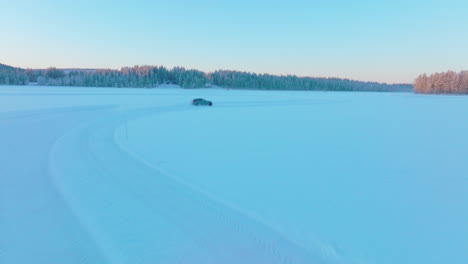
(385,41)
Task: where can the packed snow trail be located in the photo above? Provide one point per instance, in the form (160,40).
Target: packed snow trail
(139,215)
(36,223)
(81,199)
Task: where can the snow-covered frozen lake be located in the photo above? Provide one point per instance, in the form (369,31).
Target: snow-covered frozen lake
(102,175)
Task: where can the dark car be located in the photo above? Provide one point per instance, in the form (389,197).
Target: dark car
(201,101)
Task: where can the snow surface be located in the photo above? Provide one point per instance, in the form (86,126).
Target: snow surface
(100,175)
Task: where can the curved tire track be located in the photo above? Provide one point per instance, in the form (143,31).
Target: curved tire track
(138,214)
(36,223)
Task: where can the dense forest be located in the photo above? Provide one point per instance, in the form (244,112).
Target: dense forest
(447,82)
(13,76)
(153,76)
(245,80)
(138,76)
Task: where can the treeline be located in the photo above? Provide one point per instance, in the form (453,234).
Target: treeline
(448,82)
(138,76)
(248,80)
(12,76)
(153,76)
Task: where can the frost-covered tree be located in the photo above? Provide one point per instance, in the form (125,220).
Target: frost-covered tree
(54,73)
(12,76)
(447,82)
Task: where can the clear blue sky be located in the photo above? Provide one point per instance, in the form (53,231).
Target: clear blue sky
(387,41)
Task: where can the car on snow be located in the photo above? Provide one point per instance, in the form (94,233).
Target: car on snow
(201,101)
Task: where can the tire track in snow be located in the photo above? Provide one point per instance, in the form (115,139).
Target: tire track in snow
(138,214)
(36,224)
